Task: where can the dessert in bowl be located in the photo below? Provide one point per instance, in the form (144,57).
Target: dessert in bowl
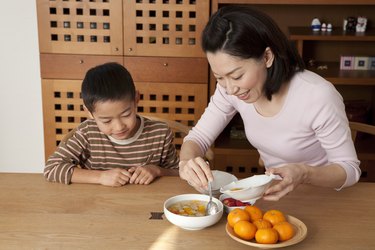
(187,211)
(249,189)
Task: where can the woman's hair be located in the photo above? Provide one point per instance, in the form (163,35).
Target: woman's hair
(243,32)
(107,82)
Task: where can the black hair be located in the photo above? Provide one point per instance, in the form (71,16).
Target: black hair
(240,31)
(107,82)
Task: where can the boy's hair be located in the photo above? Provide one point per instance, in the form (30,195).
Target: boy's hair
(243,32)
(107,82)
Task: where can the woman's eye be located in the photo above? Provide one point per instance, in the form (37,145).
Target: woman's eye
(237,78)
(106,122)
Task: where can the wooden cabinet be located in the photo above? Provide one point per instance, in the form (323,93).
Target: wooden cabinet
(321,52)
(158,41)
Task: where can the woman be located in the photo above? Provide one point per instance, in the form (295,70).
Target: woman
(294,117)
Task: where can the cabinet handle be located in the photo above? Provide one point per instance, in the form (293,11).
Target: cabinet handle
(81,61)
(116,49)
(130,49)
(165,64)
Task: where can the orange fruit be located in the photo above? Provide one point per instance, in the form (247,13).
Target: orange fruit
(285,230)
(261,223)
(255,212)
(274,216)
(237,215)
(266,236)
(245,229)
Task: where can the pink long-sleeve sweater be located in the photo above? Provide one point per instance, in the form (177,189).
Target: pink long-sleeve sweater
(312,126)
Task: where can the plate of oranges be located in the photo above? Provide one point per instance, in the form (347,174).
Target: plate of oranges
(270,229)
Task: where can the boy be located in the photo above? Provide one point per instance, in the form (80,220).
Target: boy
(115,146)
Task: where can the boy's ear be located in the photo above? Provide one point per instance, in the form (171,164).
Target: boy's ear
(137,97)
(88,112)
(268,57)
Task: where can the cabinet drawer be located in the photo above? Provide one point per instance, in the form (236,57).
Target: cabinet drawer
(168,69)
(71,66)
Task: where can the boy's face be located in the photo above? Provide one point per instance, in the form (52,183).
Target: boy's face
(117,119)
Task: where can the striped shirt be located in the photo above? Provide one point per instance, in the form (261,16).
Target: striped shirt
(88,148)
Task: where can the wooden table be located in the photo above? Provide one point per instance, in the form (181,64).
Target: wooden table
(35,214)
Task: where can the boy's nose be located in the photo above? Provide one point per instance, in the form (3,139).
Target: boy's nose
(119,125)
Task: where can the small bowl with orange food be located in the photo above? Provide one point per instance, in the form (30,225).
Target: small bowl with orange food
(249,189)
(188,211)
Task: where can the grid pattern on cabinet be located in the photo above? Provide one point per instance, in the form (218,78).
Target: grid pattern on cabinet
(241,163)
(84,27)
(173,27)
(63,106)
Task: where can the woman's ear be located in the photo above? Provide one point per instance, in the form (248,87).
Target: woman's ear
(268,57)
(88,112)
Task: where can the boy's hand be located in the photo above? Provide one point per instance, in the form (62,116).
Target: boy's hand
(116,177)
(144,174)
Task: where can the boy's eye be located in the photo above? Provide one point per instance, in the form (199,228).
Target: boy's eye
(237,78)
(106,122)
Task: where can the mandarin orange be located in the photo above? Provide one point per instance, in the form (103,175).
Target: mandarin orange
(245,229)
(237,215)
(266,236)
(261,223)
(274,216)
(255,212)
(285,230)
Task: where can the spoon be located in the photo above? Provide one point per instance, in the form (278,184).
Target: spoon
(212,207)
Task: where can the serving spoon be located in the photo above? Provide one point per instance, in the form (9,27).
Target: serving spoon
(212,207)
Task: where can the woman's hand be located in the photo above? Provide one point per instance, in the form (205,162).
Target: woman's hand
(196,172)
(116,177)
(292,175)
(144,174)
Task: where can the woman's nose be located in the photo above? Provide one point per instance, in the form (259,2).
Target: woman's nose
(230,88)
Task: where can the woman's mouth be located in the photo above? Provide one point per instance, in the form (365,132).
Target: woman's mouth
(244,95)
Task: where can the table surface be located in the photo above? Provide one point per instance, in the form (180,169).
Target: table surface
(36,214)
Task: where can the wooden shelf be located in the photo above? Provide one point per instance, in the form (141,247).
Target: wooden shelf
(344,77)
(337,34)
(332,70)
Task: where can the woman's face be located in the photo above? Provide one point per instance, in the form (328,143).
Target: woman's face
(243,78)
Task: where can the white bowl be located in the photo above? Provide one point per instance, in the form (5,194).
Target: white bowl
(221,179)
(248,189)
(192,223)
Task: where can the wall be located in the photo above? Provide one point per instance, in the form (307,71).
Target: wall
(21,120)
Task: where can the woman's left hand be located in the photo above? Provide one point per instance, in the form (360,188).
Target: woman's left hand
(292,175)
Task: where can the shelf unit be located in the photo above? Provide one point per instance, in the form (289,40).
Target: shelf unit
(158,42)
(325,49)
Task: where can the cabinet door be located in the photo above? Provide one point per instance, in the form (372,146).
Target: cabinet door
(80,27)
(62,110)
(164,28)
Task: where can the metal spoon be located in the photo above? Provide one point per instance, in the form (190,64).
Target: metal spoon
(212,207)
